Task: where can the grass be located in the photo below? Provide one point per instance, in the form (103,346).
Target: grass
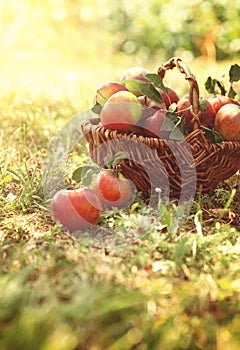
(168,290)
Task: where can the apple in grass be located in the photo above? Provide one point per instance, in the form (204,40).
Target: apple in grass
(121,111)
(106,90)
(227,122)
(113,190)
(76,209)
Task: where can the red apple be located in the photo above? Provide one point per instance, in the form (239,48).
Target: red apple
(76,209)
(153,124)
(146,113)
(134,73)
(106,90)
(121,111)
(170,97)
(149,108)
(217,101)
(227,122)
(184,109)
(207,115)
(114,191)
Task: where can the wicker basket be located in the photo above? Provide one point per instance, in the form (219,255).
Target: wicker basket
(178,167)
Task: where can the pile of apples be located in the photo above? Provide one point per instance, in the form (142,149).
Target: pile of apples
(139,102)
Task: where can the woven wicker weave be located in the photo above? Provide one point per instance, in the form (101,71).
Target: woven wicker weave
(174,166)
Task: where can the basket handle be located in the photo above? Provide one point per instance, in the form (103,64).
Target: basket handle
(194,89)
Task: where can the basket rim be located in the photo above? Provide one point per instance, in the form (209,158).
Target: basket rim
(90,124)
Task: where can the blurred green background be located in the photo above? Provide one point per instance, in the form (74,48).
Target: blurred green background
(52,45)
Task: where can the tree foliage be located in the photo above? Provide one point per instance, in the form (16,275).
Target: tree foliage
(155,27)
(199,27)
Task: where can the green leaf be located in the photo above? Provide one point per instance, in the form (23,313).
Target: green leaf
(119,156)
(156,80)
(210,85)
(169,122)
(231,93)
(150,91)
(143,88)
(172,116)
(96,108)
(177,132)
(211,135)
(167,125)
(202,103)
(234,73)
(133,85)
(112,161)
(108,160)
(84,174)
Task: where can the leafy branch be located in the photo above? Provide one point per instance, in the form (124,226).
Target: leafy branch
(215,86)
